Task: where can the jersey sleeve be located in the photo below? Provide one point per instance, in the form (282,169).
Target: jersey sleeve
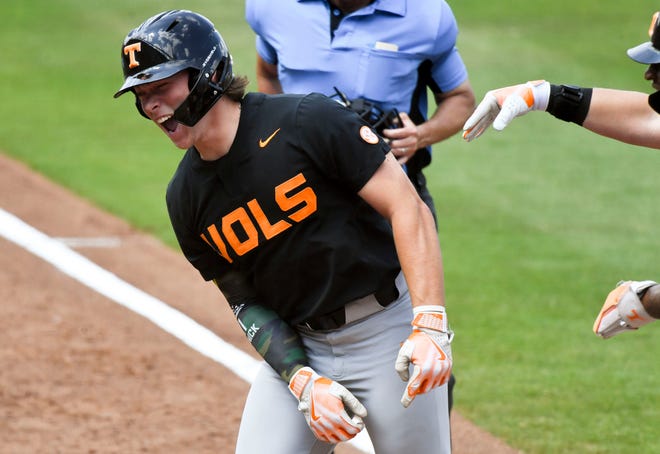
(194,248)
(338,141)
(254,11)
(448,69)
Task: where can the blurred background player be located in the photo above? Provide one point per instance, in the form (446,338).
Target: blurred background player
(383,52)
(330,260)
(627,116)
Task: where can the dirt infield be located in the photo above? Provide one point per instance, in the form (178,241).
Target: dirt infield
(81,373)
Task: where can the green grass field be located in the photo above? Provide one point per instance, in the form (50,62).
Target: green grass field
(537,223)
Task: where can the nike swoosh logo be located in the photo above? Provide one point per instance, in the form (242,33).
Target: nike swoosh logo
(312,413)
(263,143)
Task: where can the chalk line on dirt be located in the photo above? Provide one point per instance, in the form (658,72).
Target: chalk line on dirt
(106,283)
(191,333)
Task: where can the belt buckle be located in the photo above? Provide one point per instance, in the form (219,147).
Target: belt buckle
(327,322)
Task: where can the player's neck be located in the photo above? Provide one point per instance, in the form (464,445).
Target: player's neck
(218,129)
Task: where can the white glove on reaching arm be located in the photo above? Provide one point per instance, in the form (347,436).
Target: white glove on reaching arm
(428,349)
(499,107)
(623,309)
(324,403)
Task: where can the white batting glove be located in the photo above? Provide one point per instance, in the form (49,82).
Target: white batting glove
(499,107)
(324,403)
(428,349)
(623,309)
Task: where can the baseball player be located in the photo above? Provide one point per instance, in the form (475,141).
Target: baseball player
(305,221)
(383,53)
(627,116)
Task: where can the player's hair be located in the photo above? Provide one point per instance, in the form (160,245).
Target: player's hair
(237,88)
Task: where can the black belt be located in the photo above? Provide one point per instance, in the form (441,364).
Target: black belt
(384,295)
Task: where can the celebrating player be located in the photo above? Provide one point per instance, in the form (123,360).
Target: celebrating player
(380,54)
(303,218)
(627,116)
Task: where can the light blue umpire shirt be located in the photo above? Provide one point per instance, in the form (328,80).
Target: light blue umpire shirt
(388,52)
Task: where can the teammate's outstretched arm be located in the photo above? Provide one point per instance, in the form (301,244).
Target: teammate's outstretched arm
(625,116)
(621,115)
(282,349)
(427,349)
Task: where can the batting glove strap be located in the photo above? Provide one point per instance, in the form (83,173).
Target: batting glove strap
(623,309)
(324,404)
(431,317)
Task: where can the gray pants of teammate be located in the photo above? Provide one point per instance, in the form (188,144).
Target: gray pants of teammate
(360,356)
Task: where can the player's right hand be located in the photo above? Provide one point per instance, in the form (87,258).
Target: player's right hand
(623,309)
(428,350)
(499,107)
(324,403)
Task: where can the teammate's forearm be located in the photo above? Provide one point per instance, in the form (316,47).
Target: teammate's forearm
(651,301)
(618,114)
(625,116)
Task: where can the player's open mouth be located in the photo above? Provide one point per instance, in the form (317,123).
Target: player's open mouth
(169,123)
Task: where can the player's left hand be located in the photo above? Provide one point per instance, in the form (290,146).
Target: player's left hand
(326,405)
(623,309)
(499,107)
(403,140)
(428,349)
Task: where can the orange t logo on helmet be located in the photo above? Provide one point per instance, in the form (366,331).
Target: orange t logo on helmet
(130,51)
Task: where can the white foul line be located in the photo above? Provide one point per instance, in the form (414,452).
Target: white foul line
(109,285)
(87,272)
(97,242)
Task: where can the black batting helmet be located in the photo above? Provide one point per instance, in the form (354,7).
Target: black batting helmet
(649,52)
(174,41)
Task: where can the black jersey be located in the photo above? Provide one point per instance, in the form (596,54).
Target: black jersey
(281,206)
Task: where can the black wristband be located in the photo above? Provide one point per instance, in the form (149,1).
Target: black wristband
(654,101)
(569,103)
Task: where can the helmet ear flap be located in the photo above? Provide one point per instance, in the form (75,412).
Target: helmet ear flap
(204,92)
(138,106)
(193,74)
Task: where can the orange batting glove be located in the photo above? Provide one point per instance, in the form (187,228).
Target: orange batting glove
(428,349)
(324,403)
(499,107)
(623,309)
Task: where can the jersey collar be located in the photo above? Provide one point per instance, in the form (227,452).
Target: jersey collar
(397,7)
